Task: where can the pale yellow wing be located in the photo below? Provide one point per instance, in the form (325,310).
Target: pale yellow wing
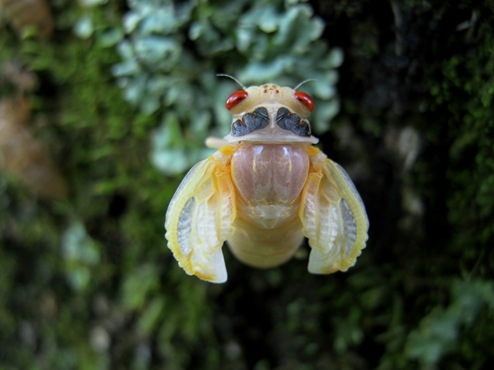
(199,219)
(333,217)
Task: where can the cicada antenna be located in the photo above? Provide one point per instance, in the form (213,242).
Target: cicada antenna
(304,81)
(233,78)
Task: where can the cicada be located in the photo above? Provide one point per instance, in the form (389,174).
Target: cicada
(264,190)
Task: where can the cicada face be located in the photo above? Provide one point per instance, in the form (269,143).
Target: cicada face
(270,114)
(264,191)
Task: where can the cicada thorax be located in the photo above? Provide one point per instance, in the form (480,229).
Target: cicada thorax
(268,179)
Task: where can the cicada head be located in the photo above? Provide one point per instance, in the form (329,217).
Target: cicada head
(270,114)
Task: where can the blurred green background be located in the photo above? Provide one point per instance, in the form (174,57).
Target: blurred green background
(122,95)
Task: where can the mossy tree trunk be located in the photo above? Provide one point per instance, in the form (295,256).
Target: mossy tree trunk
(87,282)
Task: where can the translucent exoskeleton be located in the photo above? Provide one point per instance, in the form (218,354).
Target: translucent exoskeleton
(264,190)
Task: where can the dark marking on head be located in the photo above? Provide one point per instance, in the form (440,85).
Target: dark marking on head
(250,122)
(292,122)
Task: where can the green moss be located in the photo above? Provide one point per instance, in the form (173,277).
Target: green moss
(465,91)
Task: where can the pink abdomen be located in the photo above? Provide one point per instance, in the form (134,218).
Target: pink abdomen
(269,179)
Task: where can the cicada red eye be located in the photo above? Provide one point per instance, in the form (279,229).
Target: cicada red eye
(305,99)
(236,98)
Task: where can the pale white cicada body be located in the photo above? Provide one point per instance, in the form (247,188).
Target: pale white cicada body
(263,191)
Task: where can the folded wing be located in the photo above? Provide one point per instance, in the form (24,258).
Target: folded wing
(199,219)
(333,217)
